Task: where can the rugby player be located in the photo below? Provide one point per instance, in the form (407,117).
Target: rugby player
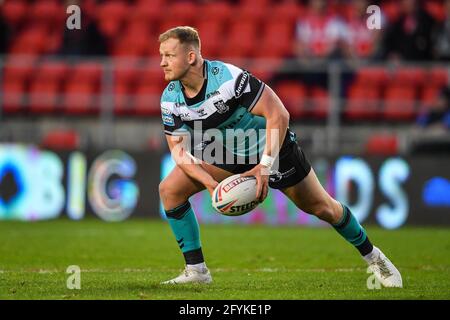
(204,95)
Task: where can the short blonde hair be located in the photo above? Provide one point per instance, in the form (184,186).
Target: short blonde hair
(185,34)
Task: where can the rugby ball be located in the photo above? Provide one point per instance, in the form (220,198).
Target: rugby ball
(235,195)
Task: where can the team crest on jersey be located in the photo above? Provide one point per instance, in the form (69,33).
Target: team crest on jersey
(221,106)
(215,71)
(171,86)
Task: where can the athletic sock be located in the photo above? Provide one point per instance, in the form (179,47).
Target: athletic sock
(184,225)
(349,228)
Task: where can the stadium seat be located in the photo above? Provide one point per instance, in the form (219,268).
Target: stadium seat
(147,99)
(408,76)
(14,12)
(16,75)
(391,9)
(382,144)
(31,41)
(240,42)
(286,11)
(399,103)
(210,32)
(362,103)
(81,92)
(215,11)
(62,139)
(435,9)
(277,40)
(429,94)
(46,87)
(319,102)
(438,77)
(111,17)
(48,12)
(375,76)
(293,95)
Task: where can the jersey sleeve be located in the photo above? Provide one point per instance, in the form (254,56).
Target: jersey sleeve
(253,88)
(171,120)
(245,87)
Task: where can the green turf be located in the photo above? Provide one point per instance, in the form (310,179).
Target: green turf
(128,260)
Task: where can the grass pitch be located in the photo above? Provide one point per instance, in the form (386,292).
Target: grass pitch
(128,260)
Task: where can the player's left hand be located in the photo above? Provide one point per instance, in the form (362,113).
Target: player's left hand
(261,173)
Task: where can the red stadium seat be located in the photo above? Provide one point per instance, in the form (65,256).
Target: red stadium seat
(215,11)
(211,33)
(277,40)
(82,89)
(14,12)
(241,41)
(46,87)
(48,12)
(408,76)
(382,144)
(391,9)
(32,41)
(438,77)
(376,76)
(61,140)
(399,103)
(111,17)
(286,11)
(429,95)
(293,96)
(319,102)
(13,95)
(435,9)
(16,75)
(362,103)
(147,100)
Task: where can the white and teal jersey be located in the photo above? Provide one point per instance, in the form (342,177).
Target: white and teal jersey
(224,103)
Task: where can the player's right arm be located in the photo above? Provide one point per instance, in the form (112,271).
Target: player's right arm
(188,163)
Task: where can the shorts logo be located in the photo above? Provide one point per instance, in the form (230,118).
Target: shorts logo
(276,176)
(171,86)
(168,120)
(221,106)
(215,71)
(241,83)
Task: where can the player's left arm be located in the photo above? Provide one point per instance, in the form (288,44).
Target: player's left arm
(272,109)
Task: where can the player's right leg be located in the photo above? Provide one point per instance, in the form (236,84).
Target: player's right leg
(175,191)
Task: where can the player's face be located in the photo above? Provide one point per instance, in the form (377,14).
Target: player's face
(174,59)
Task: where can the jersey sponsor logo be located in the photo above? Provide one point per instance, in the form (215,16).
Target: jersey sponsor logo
(179,104)
(185,117)
(212,94)
(221,106)
(241,83)
(168,120)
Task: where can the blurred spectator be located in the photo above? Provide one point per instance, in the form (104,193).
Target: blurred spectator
(438,115)
(87,41)
(443,38)
(360,41)
(319,33)
(411,36)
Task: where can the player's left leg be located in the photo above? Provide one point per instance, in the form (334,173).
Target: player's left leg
(311,197)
